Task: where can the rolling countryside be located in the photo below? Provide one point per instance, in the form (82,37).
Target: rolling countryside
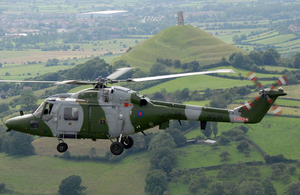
(262,158)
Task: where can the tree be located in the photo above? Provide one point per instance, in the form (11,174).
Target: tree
(243,37)
(223,188)
(157,69)
(207,132)
(296,60)
(292,169)
(18,144)
(271,57)
(239,60)
(177,64)
(224,155)
(268,187)
(163,158)
(236,39)
(251,188)
(178,137)
(71,186)
(292,189)
(256,57)
(243,146)
(243,128)
(52,62)
(156,182)
(161,140)
(28,100)
(3,107)
(193,66)
(218,102)
(2,188)
(215,128)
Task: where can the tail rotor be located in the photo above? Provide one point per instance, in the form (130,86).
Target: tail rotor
(266,93)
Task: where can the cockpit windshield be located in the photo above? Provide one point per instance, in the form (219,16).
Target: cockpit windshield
(39,110)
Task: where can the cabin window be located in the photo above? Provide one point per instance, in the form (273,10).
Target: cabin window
(71,114)
(106,94)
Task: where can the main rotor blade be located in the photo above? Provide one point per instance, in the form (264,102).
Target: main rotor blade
(119,72)
(180,75)
(75,82)
(17,81)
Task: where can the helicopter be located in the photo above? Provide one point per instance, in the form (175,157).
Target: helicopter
(115,112)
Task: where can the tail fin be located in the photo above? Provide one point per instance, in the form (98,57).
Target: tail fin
(255,111)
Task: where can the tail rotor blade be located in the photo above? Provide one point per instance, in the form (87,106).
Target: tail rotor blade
(276,110)
(252,77)
(280,81)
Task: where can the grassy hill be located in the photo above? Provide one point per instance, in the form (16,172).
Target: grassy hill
(185,43)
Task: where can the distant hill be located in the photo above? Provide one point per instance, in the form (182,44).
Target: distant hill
(184,43)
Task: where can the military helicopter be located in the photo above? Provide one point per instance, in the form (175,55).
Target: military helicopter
(115,112)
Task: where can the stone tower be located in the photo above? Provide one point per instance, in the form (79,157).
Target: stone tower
(180,18)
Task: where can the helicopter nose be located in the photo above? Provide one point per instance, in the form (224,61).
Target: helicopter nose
(10,123)
(18,123)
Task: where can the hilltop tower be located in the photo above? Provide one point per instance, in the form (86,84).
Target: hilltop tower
(180,18)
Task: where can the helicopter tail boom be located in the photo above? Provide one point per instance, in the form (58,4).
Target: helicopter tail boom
(252,112)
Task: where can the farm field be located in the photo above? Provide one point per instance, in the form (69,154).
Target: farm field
(286,44)
(25,64)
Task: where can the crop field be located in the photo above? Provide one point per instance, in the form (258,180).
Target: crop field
(92,49)
(56,6)
(24,64)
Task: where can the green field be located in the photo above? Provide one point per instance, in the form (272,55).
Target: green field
(278,135)
(204,155)
(46,173)
(274,135)
(201,82)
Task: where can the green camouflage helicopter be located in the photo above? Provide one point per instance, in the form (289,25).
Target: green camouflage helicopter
(116,112)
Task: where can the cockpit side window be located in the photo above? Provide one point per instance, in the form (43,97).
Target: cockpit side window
(48,108)
(71,114)
(47,115)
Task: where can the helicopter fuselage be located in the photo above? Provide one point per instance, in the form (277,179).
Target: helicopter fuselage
(116,112)
(107,113)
